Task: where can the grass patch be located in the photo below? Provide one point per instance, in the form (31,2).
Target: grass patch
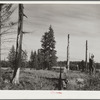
(31,80)
(48,80)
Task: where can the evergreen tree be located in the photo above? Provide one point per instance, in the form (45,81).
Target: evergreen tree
(48,49)
(33,60)
(11,57)
(35,64)
(24,59)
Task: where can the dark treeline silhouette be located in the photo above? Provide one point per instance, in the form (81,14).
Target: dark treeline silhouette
(11,58)
(43,58)
(36,61)
(77,65)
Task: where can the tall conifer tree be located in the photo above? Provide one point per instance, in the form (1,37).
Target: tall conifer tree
(48,49)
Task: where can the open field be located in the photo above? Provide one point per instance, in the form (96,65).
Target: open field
(33,80)
(49,80)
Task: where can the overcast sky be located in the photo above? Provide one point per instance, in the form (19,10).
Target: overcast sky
(81,21)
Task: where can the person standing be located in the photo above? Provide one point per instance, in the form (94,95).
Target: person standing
(91,65)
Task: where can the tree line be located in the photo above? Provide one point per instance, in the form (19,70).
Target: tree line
(43,58)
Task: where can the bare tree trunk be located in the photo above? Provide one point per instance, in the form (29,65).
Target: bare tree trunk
(86,54)
(60,80)
(68,53)
(0,42)
(15,79)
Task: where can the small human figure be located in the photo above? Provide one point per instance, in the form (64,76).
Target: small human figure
(91,64)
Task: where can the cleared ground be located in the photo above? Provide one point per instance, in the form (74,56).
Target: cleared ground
(49,80)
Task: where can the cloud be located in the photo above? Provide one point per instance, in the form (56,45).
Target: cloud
(81,21)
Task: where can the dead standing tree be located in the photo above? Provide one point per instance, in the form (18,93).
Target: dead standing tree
(86,52)
(0,40)
(68,53)
(62,77)
(15,78)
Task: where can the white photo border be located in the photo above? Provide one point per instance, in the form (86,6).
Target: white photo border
(52,94)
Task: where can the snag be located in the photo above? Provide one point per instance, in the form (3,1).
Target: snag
(15,79)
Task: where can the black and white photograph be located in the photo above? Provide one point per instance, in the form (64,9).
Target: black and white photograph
(50,46)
